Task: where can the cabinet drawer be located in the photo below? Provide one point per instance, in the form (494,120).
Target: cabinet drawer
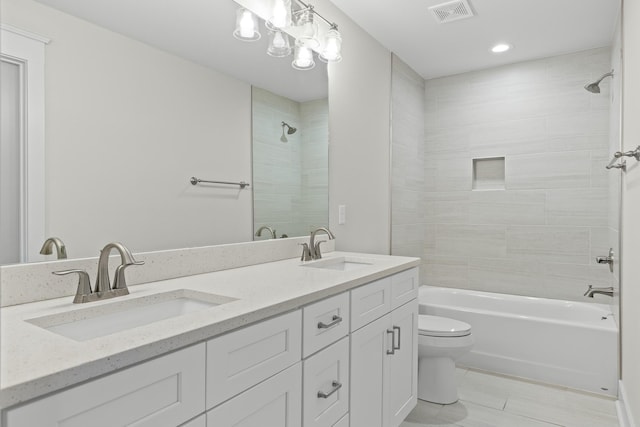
(324,323)
(201,421)
(326,385)
(276,402)
(404,287)
(240,359)
(370,302)
(166,391)
(344,422)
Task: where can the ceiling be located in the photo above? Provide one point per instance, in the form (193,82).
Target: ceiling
(201,31)
(535,28)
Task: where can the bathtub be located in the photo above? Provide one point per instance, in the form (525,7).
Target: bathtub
(567,343)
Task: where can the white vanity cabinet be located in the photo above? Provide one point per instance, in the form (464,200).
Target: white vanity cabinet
(240,359)
(200,421)
(274,402)
(384,363)
(163,392)
(261,354)
(347,360)
(326,385)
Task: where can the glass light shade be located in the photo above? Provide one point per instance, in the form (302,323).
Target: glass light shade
(308,30)
(303,58)
(280,14)
(246,26)
(332,46)
(279,44)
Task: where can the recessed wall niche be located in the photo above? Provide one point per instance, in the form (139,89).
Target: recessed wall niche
(488,174)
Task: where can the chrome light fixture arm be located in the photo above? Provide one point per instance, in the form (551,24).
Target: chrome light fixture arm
(309,7)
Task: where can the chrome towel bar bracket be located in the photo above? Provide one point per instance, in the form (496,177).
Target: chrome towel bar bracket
(195,181)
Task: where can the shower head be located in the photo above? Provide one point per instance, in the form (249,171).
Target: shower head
(290,131)
(594,87)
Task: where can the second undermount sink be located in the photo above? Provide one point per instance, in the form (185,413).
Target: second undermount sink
(116,316)
(342,263)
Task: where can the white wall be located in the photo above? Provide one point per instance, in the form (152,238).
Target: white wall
(615,175)
(630,228)
(126,126)
(359,148)
(539,235)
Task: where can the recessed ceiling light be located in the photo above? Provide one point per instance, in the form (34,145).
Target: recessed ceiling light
(501,47)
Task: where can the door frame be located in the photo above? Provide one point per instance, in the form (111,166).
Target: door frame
(26,50)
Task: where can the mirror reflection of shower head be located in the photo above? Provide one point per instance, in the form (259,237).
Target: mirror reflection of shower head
(290,131)
(594,87)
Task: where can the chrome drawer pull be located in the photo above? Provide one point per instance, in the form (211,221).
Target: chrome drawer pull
(399,335)
(335,320)
(336,386)
(393,341)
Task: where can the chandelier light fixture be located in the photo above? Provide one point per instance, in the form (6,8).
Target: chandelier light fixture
(280,15)
(303,57)
(279,44)
(246,26)
(308,35)
(332,46)
(312,33)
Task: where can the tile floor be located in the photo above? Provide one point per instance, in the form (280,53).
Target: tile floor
(490,400)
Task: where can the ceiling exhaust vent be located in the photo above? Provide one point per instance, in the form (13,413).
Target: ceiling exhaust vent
(451,11)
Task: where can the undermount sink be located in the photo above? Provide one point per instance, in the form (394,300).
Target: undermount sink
(341,263)
(117,316)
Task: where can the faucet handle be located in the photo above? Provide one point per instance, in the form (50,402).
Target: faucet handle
(306,252)
(119,282)
(84,284)
(316,249)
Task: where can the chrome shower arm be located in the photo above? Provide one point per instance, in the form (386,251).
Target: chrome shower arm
(609,74)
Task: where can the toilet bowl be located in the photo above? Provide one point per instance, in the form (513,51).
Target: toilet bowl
(441,341)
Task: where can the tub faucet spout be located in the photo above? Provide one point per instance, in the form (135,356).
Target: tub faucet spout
(603,291)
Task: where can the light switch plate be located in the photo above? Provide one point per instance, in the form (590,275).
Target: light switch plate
(342,214)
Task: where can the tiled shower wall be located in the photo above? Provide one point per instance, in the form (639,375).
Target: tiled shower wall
(407,162)
(290,179)
(315,164)
(539,235)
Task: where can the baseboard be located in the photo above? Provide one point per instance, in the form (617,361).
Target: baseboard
(624,413)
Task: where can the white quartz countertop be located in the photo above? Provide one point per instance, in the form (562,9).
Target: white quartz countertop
(35,361)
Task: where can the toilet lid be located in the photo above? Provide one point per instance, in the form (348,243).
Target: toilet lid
(435,326)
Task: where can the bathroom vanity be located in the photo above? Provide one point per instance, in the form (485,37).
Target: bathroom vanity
(324,343)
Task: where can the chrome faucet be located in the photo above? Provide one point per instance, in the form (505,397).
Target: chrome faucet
(264,227)
(119,283)
(604,291)
(50,243)
(103,288)
(314,247)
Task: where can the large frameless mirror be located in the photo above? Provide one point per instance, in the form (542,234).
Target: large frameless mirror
(140,97)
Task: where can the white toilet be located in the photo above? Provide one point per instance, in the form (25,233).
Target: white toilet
(441,341)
